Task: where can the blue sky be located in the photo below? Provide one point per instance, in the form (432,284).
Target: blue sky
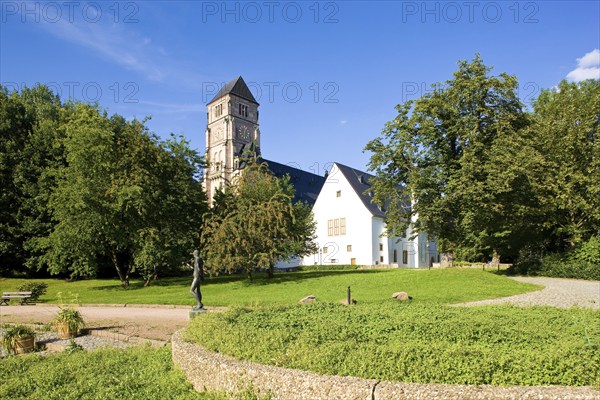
(327,74)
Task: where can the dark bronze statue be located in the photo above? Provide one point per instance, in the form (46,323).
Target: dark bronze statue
(198,275)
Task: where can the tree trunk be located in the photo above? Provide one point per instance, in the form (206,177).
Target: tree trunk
(123,276)
(446,260)
(270,272)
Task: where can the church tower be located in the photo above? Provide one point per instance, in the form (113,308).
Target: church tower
(231,132)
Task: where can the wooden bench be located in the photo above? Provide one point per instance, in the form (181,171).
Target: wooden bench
(7,296)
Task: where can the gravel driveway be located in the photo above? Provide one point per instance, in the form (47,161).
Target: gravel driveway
(557,292)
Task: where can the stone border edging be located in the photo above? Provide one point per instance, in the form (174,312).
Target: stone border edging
(207,370)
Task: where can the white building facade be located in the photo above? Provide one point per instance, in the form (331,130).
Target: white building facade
(351,230)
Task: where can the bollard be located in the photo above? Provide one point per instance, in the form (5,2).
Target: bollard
(349,297)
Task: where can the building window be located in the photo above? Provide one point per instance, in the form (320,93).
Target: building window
(333,261)
(395,255)
(338,193)
(381,258)
(218,110)
(243,110)
(405,257)
(325,250)
(349,247)
(336,227)
(380,246)
(353,261)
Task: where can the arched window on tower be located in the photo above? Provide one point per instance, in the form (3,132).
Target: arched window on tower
(215,162)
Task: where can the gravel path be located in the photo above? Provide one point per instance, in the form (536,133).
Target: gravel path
(557,292)
(87,342)
(151,323)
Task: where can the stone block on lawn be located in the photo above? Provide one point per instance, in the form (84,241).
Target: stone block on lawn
(308,299)
(401,296)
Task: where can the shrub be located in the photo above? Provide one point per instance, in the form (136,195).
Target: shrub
(582,262)
(589,251)
(36,288)
(565,266)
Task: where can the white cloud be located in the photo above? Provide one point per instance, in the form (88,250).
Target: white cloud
(343,122)
(588,67)
(591,59)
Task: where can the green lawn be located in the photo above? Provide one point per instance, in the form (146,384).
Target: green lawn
(412,342)
(435,286)
(137,373)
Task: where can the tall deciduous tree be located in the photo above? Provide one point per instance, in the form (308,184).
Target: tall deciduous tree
(123,197)
(30,132)
(442,152)
(564,135)
(254,223)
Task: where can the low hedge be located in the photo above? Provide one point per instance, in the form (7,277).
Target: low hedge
(561,266)
(330,267)
(410,342)
(581,262)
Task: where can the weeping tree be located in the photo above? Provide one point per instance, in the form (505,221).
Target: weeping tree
(254,223)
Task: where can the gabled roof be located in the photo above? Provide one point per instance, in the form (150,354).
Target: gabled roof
(360,182)
(307,184)
(237,87)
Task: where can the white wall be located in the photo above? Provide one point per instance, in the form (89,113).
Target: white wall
(358,223)
(363,231)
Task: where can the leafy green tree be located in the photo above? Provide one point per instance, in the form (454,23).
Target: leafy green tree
(564,136)
(30,134)
(254,223)
(123,197)
(441,154)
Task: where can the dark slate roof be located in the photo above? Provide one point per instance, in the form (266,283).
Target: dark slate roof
(237,87)
(307,184)
(359,181)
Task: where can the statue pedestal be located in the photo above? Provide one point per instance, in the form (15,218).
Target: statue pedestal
(195,313)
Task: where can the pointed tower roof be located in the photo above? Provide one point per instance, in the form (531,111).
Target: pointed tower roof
(237,87)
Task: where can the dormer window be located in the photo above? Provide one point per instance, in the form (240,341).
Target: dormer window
(338,193)
(243,110)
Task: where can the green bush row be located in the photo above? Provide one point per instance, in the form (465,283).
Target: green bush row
(560,266)
(500,345)
(328,267)
(581,262)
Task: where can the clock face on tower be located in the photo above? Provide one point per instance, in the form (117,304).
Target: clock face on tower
(218,134)
(244,133)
